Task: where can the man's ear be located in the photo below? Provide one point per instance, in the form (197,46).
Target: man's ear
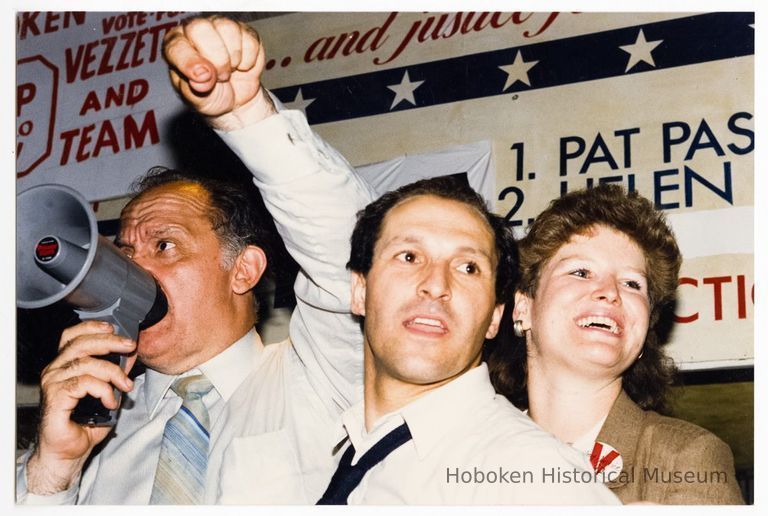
(249,266)
(358,294)
(522,309)
(493,328)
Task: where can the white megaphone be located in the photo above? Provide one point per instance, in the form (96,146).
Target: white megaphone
(60,255)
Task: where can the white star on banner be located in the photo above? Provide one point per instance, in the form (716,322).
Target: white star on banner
(299,103)
(404,90)
(517,71)
(640,50)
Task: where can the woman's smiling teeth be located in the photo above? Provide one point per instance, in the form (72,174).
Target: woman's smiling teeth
(600,322)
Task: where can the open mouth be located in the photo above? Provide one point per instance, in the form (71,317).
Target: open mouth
(426,325)
(600,323)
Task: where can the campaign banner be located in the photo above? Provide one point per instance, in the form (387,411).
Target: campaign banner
(661,103)
(93,100)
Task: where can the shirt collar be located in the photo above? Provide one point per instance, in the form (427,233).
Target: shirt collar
(353,421)
(226,371)
(429,417)
(586,442)
(439,411)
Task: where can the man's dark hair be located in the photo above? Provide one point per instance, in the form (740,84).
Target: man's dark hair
(234,213)
(370,219)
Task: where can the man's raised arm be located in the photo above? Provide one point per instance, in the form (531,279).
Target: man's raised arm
(310,190)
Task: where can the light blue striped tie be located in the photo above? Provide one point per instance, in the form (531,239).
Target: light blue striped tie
(184,450)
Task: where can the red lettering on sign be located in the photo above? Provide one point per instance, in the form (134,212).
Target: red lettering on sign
(544,27)
(328,46)
(115,53)
(449,24)
(107,138)
(135,136)
(116,96)
(120,22)
(431,28)
(719,296)
(37,23)
(25,93)
(741,297)
(91,102)
(717,282)
(37,92)
(694,316)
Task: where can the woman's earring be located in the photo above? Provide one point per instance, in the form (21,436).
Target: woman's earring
(640,355)
(517,328)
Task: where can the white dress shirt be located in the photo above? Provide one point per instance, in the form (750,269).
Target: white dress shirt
(470,446)
(274,409)
(586,442)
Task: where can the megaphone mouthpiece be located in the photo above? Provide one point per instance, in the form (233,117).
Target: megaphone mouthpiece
(156,312)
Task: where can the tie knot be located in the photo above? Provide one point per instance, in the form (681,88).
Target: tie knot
(192,387)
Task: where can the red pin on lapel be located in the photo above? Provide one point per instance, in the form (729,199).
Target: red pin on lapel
(606,460)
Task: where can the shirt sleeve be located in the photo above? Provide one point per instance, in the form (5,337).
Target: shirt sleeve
(24,497)
(313,195)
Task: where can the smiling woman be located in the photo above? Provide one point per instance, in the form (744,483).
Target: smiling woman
(599,269)
(590,311)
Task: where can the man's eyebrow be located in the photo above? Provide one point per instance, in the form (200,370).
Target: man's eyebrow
(475,251)
(406,239)
(399,240)
(414,239)
(166,230)
(154,233)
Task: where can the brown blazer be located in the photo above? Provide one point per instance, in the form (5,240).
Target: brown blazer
(667,460)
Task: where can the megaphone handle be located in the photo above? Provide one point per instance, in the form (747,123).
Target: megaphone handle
(89,410)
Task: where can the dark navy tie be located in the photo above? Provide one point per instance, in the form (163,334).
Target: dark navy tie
(347,476)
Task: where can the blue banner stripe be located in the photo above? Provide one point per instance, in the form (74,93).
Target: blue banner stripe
(684,41)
